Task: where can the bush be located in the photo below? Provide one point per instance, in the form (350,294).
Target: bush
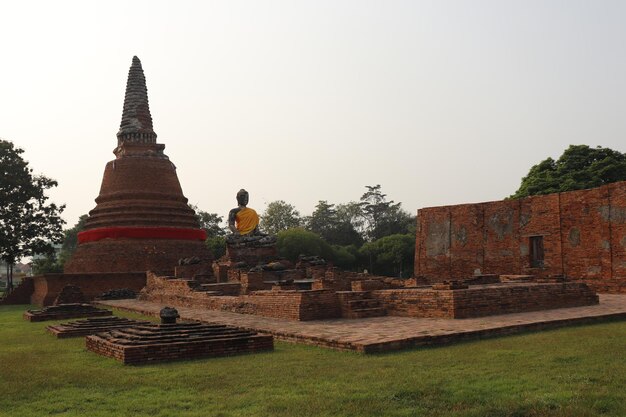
(297,241)
(217,246)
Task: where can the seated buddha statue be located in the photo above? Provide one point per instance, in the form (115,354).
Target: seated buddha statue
(243,222)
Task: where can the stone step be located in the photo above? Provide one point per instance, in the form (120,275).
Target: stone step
(365,313)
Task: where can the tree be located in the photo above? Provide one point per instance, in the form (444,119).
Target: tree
(217,246)
(70,240)
(211,223)
(333,228)
(292,243)
(391,255)
(579,167)
(29,224)
(382,217)
(279,216)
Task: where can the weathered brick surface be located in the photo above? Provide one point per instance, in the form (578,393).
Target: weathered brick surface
(48,286)
(65,311)
(479,301)
(92,326)
(291,305)
(389,333)
(584,237)
(20,294)
(132,255)
(70,294)
(163,343)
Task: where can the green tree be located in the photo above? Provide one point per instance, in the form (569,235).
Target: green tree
(29,224)
(279,216)
(382,217)
(217,246)
(579,167)
(46,265)
(211,223)
(333,226)
(70,240)
(292,243)
(391,255)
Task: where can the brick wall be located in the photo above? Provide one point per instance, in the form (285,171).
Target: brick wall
(48,286)
(583,232)
(479,301)
(290,305)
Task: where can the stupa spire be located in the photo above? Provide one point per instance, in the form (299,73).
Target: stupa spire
(136,125)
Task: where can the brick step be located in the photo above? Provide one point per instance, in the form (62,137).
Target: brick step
(361,304)
(353,295)
(365,313)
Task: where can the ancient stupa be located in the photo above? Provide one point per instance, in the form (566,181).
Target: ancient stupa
(141,220)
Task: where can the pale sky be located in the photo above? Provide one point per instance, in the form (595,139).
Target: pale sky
(440,102)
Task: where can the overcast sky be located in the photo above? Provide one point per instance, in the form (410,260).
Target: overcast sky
(440,102)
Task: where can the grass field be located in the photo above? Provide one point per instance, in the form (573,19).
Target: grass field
(576,371)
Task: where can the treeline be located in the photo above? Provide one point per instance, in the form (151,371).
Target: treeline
(373,233)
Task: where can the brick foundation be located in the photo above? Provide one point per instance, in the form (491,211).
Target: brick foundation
(164,343)
(290,305)
(485,300)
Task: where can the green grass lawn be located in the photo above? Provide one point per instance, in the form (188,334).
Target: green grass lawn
(576,371)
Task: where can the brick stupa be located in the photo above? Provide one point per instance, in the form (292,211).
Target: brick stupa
(141,220)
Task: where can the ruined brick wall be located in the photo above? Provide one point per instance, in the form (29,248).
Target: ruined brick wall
(20,294)
(133,255)
(48,286)
(484,301)
(583,232)
(290,305)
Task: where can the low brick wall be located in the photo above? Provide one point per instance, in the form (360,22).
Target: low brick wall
(290,305)
(479,301)
(48,286)
(609,286)
(21,293)
(416,302)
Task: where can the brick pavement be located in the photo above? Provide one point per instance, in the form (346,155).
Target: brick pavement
(380,334)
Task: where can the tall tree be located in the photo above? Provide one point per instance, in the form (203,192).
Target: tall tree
(70,240)
(279,216)
(578,168)
(391,255)
(29,224)
(211,223)
(382,217)
(334,228)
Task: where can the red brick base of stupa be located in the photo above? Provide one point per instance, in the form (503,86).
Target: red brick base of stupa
(123,255)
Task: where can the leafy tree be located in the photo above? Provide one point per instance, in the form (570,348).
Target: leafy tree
(294,242)
(217,246)
(211,223)
(29,224)
(578,168)
(345,257)
(333,226)
(391,255)
(70,241)
(279,216)
(382,217)
(46,265)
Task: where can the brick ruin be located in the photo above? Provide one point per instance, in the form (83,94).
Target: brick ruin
(577,234)
(341,294)
(92,326)
(169,341)
(65,311)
